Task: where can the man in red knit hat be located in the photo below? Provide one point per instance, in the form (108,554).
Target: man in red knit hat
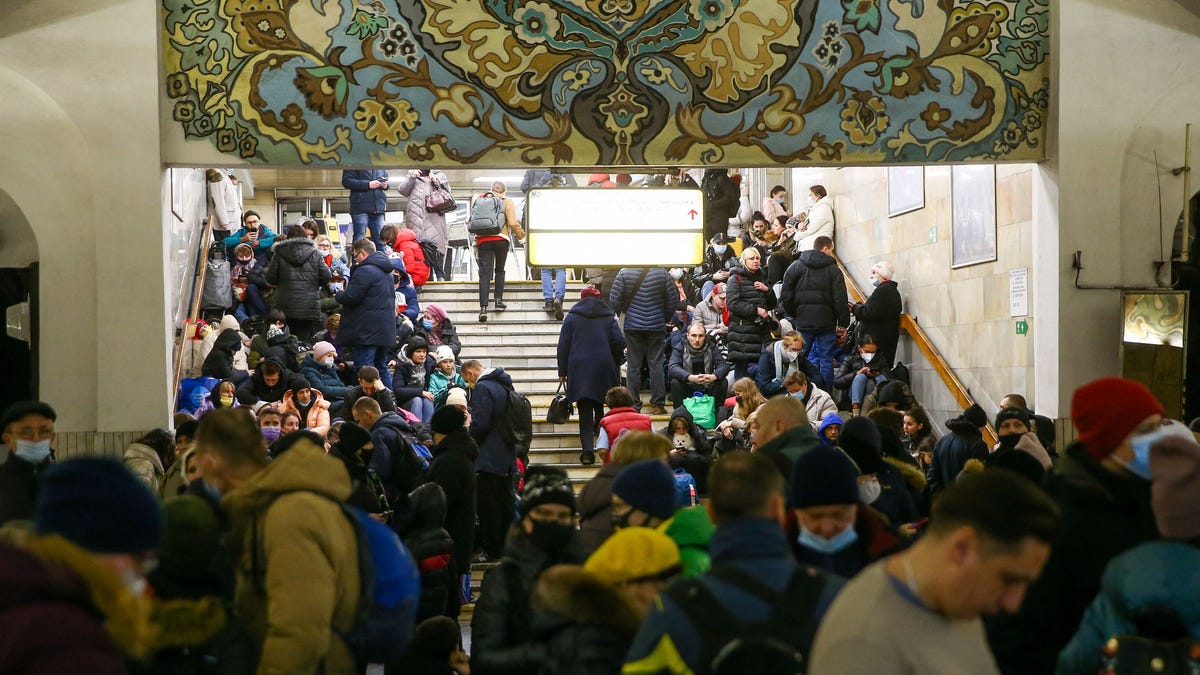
(1102,485)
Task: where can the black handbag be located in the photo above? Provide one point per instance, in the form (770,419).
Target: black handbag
(560,408)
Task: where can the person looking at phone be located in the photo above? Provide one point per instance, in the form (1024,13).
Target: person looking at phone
(859,372)
(258,236)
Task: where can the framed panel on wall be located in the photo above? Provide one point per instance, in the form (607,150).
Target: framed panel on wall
(973,214)
(906,189)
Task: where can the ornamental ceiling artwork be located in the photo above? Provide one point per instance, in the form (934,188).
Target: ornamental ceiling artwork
(496,83)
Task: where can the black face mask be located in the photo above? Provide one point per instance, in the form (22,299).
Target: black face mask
(551,536)
(1009,441)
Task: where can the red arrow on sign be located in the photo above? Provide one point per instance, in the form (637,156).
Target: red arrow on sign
(693,213)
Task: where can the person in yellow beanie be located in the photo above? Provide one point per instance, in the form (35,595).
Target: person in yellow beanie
(588,616)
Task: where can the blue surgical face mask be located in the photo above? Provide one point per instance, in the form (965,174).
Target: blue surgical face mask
(427,324)
(1140,465)
(34,452)
(828,546)
(720,249)
(876,281)
(209,490)
(779,200)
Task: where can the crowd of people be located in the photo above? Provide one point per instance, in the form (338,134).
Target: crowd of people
(806,554)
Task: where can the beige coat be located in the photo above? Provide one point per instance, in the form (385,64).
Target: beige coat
(306,589)
(144,462)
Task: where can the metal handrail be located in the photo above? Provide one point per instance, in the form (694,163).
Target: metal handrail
(909,324)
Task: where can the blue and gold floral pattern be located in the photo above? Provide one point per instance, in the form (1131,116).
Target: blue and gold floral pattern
(608,82)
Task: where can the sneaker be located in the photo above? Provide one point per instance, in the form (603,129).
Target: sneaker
(558,313)
(587,458)
(500,306)
(483,315)
(548,306)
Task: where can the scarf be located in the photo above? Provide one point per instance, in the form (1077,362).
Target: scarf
(690,355)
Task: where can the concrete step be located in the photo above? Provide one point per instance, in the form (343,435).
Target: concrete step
(554,441)
(564,455)
(498,329)
(485,343)
(540,425)
(468,313)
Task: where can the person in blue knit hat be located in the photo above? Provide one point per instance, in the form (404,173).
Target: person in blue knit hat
(73,597)
(643,495)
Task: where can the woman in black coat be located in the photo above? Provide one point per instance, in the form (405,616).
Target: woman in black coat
(750,301)
(879,316)
(693,455)
(590,350)
(298,272)
(437,328)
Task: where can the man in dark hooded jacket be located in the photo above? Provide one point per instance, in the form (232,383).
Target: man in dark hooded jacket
(271,380)
(368,326)
(394,458)
(453,468)
(497,458)
(950,454)
(814,296)
(298,272)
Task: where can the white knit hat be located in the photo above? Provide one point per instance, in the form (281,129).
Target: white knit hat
(444,353)
(884,269)
(457,396)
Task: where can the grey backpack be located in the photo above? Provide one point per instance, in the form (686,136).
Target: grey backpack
(487,216)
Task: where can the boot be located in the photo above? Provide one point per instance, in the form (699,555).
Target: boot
(548,306)
(557,306)
(587,458)
(482,313)
(500,306)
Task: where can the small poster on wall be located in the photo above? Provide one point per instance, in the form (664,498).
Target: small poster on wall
(973,214)
(906,189)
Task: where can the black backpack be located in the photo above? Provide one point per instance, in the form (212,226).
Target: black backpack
(733,647)
(1161,646)
(899,372)
(516,425)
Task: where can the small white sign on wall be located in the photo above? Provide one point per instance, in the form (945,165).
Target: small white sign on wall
(1018,292)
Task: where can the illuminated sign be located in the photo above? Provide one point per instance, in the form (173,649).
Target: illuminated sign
(616,227)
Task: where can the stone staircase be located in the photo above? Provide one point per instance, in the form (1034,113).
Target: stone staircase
(523,340)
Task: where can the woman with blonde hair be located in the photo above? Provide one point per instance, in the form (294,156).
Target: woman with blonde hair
(595,501)
(750,301)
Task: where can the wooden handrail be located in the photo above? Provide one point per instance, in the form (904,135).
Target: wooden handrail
(909,324)
(194,309)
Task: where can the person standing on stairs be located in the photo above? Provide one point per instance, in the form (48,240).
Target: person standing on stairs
(497,461)
(492,252)
(590,348)
(648,298)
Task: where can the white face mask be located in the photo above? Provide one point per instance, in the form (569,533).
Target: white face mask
(328,360)
(811,200)
(869,490)
(34,452)
(868,356)
(789,355)
(676,274)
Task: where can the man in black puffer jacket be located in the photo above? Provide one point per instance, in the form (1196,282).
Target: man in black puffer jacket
(648,298)
(952,451)
(814,296)
(432,550)
(298,273)
(453,468)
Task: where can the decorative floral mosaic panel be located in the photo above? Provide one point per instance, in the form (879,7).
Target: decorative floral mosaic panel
(609,82)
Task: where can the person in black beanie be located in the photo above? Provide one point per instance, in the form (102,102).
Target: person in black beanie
(354,449)
(453,468)
(502,625)
(880,485)
(838,533)
(951,452)
(72,597)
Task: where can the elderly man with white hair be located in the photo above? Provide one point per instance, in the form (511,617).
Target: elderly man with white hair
(879,316)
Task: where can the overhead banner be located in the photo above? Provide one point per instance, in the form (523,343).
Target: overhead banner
(604,83)
(634,227)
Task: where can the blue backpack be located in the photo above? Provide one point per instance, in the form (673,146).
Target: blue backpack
(685,489)
(390,591)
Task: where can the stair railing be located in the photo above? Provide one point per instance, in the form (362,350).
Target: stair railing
(193,310)
(909,324)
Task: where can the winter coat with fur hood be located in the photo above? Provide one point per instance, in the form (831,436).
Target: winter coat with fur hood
(586,624)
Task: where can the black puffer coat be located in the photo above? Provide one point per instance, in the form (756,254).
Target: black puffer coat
(502,627)
(219,362)
(747,330)
(432,550)
(586,624)
(298,272)
(814,293)
(453,467)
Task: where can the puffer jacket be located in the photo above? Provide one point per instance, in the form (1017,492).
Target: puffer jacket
(691,529)
(425,226)
(1159,575)
(369,304)
(296,552)
(713,262)
(488,401)
(219,362)
(448,335)
(502,626)
(298,273)
(586,625)
(255,387)
(414,257)
(680,365)
(409,379)
(317,419)
(432,549)
(324,379)
(362,198)
(814,293)
(453,468)
(145,463)
(951,452)
(650,305)
(747,330)
(712,318)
